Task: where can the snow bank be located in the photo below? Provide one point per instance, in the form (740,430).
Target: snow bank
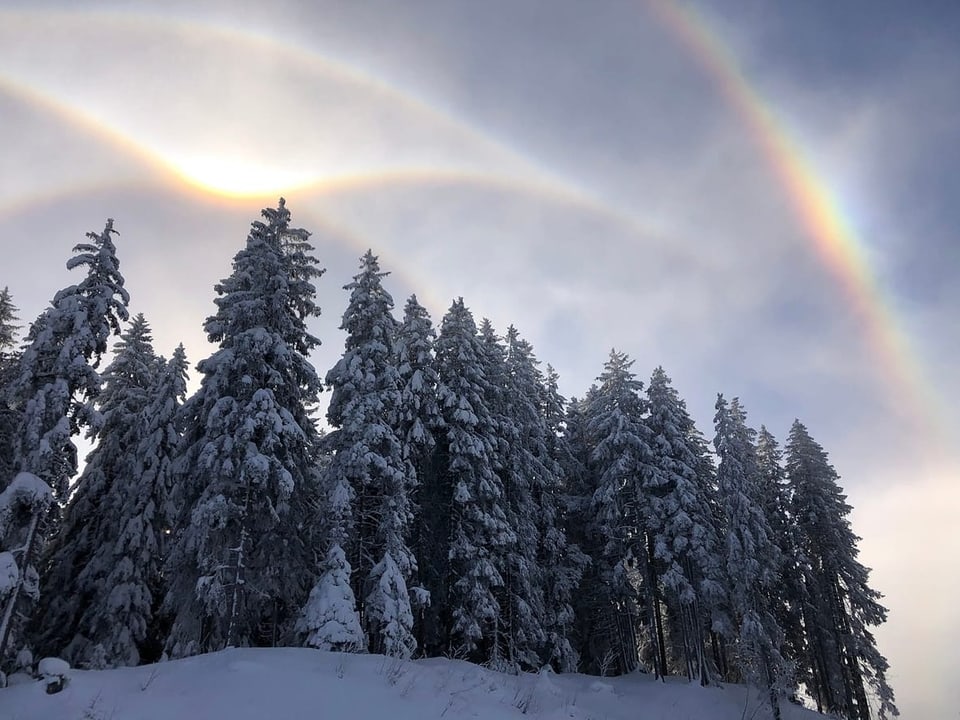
(53,667)
(293,683)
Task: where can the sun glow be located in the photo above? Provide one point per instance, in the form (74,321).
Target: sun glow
(236,176)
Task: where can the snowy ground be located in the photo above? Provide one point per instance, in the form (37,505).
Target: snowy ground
(291,683)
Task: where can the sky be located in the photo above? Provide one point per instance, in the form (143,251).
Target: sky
(760,197)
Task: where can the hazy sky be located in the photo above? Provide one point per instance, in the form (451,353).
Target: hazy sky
(762,197)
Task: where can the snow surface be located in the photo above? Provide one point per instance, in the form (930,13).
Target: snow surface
(294,683)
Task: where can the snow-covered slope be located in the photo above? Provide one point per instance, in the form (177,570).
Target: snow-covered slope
(277,684)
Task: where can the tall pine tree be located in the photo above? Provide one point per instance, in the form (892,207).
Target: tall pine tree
(561,558)
(685,533)
(750,555)
(841,657)
(472,522)
(418,422)
(244,475)
(368,455)
(54,390)
(9,361)
(619,454)
(80,556)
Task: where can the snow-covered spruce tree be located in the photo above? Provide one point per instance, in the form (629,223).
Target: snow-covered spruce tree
(419,416)
(514,404)
(619,455)
(841,658)
(786,599)
(562,559)
(58,376)
(473,529)
(685,534)
(54,389)
(418,421)
(132,630)
(9,362)
(368,455)
(594,633)
(537,410)
(751,556)
(120,625)
(8,321)
(329,619)
(73,593)
(243,475)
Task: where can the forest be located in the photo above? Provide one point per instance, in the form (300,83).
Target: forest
(452,504)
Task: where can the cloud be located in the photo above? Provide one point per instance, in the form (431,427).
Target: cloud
(576,175)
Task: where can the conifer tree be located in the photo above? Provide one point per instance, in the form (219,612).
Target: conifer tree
(8,321)
(329,620)
(562,559)
(774,498)
(684,529)
(523,468)
(475,530)
(419,416)
(750,555)
(136,629)
(244,479)
(365,410)
(619,454)
(418,421)
(54,389)
(593,638)
(549,567)
(58,376)
(841,657)
(74,594)
(9,361)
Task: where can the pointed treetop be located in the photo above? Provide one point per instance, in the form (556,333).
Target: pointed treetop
(8,319)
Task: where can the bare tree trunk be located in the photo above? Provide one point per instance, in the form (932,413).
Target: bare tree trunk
(653,595)
(238,579)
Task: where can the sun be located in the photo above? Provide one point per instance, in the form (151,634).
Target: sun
(237,176)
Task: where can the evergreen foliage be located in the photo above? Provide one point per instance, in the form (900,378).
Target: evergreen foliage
(245,483)
(841,659)
(418,422)
(54,390)
(750,556)
(560,563)
(78,605)
(477,531)
(774,499)
(619,454)
(685,533)
(329,619)
(368,456)
(459,506)
(58,377)
(9,361)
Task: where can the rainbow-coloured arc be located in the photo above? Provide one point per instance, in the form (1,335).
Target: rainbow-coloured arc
(835,240)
